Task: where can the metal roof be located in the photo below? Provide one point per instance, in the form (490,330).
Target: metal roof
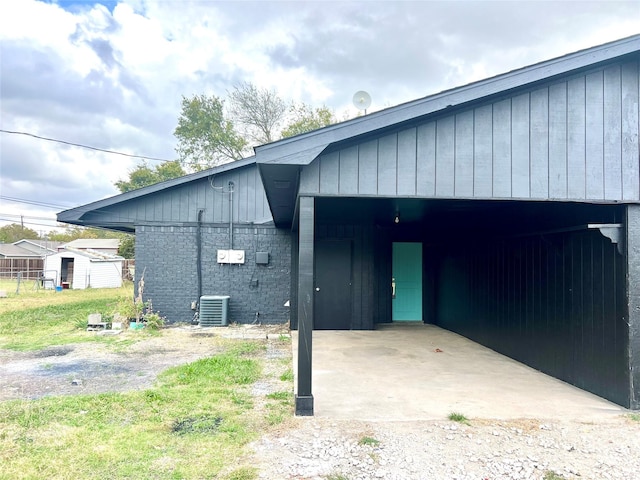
(9,250)
(93,243)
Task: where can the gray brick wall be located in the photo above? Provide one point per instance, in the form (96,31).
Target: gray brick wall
(167,256)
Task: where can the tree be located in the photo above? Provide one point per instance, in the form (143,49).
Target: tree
(144,175)
(205,137)
(14,232)
(259,111)
(127,246)
(306,118)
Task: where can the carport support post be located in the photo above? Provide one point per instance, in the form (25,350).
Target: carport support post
(304,398)
(633,292)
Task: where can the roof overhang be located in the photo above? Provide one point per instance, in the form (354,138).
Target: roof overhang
(89,215)
(279,162)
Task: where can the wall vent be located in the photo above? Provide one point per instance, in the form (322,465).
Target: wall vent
(214,310)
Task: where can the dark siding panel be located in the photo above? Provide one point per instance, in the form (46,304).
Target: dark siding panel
(630,128)
(251,196)
(349,171)
(576,138)
(612,100)
(426,168)
(540,143)
(520,162)
(463,186)
(407,166)
(387,164)
(483,152)
(310,178)
(558,141)
(594,132)
(329,173)
(445,157)
(552,302)
(502,149)
(368,168)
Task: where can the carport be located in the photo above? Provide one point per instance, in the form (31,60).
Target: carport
(507,210)
(411,372)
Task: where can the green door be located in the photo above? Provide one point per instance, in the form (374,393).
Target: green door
(407,277)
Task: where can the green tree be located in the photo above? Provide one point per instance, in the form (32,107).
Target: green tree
(144,175)
(259,111)
(14,232)
(305,118)
(127,246)
(205,137)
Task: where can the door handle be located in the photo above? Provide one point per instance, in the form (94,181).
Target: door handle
(393,288)
(317,289)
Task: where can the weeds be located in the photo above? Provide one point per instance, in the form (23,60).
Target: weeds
(551,475)
(458,417)
(369,441)
(287,376)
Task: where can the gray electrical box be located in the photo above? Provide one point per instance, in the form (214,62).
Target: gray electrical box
(262,258)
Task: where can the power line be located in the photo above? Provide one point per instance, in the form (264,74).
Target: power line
(34,202)
(143,157)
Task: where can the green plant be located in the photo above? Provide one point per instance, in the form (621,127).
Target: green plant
(336,476)
(244,473)
(281,396)
(458,417)
(287,376)
(369,441)
(551,475)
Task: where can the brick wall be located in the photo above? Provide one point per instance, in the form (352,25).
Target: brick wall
(167,256)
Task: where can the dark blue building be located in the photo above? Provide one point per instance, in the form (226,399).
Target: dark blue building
(507,210)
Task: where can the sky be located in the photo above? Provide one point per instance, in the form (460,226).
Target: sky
(111,74)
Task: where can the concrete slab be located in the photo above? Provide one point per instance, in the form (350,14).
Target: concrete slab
(422,372)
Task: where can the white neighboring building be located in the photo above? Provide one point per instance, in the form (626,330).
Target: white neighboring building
(105,245)
(79,269)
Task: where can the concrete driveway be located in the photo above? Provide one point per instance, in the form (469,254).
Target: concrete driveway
(422,372)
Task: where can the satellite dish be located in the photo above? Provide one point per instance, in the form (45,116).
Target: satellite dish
(362,100)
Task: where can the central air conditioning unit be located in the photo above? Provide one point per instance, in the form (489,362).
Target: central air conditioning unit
(214,311)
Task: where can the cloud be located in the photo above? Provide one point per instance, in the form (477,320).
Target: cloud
(111,74)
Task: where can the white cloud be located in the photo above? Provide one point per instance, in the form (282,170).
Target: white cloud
(112,76)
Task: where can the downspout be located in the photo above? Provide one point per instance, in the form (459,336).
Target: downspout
(230,215)
(199,252)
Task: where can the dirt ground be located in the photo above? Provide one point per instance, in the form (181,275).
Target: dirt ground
(94,367)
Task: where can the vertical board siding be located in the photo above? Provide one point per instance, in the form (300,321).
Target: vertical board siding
(594,136)
(329,173)
(182,203)
(348,171)
(520,153)
(539,144)
(554,302)
(483,152)
(407,162)
(426,160)
(368,168)
(572,140)
(387,165)
(502,149)
(445,156)
(576,138)
(558,183)
(612,118)
(463,185)
(630,95)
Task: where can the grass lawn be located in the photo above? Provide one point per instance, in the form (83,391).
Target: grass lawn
(194,423)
